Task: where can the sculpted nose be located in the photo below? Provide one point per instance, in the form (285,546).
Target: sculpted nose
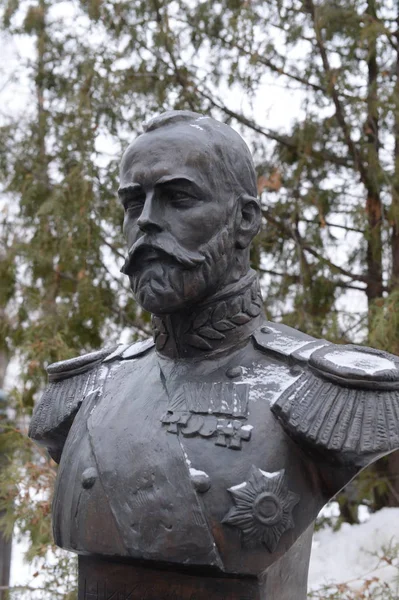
(149,221)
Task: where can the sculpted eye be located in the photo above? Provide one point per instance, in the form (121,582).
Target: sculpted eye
(134,204)
(181,198)
(179,195)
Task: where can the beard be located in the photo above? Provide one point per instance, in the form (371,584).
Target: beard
(165,285)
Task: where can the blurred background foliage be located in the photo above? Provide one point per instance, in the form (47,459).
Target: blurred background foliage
(93,71)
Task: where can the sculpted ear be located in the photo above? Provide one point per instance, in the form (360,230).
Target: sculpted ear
(247,221)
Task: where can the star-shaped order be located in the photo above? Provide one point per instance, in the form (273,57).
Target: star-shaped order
(263,508)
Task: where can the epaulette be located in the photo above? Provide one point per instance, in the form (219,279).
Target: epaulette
(287,343)
(64,369)
(129,351)
(70,383)
(53,415)
(357,366)
(346,403)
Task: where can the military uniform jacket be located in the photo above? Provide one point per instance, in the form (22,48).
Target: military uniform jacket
(223,461)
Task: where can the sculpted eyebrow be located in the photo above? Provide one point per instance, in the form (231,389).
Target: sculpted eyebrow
(129,190)
(178,181)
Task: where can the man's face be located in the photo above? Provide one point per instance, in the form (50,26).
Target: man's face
(178,227)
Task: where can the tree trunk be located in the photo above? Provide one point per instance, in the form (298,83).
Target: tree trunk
(5,543)
(386,469)
(394,213)
(373,201)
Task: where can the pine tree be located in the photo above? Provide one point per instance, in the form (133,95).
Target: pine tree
(329,182)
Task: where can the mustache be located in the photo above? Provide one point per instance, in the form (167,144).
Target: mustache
(163,244)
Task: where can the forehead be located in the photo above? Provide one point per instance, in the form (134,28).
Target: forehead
(174,151)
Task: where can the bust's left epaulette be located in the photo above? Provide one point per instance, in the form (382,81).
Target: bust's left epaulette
(287,343)
(346,402)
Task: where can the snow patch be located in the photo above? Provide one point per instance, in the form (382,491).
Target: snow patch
(268,382)
(196,126)
(349,555)
(284,344)
(197,473)
(239,486)
(247,428)
(269,475)
(119,350)
(306,353)
(188,461)
(137,348)
(369,363)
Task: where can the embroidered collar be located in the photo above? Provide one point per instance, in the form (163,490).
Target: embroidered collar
(226,320)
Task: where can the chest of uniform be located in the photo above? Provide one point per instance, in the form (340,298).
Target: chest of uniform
(183,445)
(220,417)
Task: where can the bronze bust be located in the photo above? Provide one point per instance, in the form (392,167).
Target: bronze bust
(193,465)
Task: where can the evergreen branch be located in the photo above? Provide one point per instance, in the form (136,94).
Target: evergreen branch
(280,71)
(390,35)
(296,279)
(355,326)
(111,247)
(305,247)
(334,267)
(339,110)
(268,63)
(137,324)
(181,80)
(328,224)
(284,140)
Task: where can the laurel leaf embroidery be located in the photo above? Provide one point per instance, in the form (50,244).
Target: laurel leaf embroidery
(210,324)
(158,324)
(254,292)
(197,342)
(201,319)
(246,303)
(223,325)
(161,341)
(240,318)
(211,333)
(220,312)
(236,305)
(254,310)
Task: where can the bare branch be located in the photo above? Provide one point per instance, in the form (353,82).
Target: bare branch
(112,247)
(306,248)
(268,63)
(296,279)
(324,155)
(328,224)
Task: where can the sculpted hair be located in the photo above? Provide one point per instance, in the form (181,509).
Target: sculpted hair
(229,151)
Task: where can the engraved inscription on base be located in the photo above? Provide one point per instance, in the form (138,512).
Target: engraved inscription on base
(105,591)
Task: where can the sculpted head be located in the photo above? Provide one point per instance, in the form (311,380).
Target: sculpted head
(188,188)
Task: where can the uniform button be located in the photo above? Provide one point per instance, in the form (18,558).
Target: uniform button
(295,370)
(265,329)
(89,477)
(201,480)
(234,372)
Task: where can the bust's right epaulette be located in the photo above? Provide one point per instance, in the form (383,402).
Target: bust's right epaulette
(64,369)
(70,383)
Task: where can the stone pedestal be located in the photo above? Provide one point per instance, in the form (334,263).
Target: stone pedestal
(101,579)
